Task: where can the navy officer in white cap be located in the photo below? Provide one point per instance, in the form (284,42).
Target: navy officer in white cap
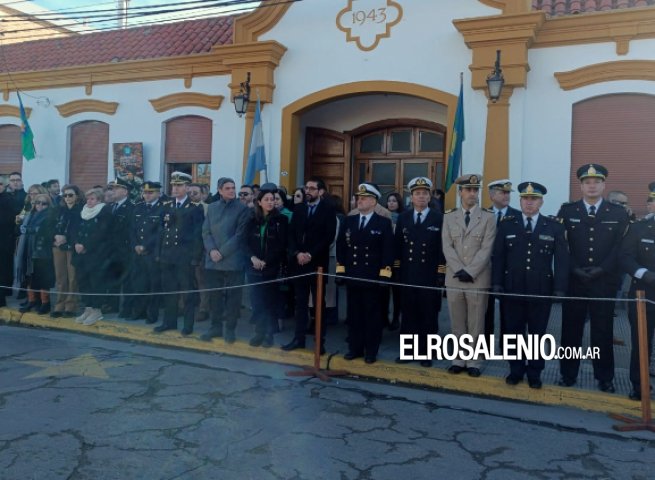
(365,250)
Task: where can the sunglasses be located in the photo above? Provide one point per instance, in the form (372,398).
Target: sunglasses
(69,195)
(243,194)
(41,203)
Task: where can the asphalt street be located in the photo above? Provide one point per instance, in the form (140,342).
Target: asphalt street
(80,407)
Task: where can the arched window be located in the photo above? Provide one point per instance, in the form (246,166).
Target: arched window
(11,154)
(188,147)
(89,154)
(617,131)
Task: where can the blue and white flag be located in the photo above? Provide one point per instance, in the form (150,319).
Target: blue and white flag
(256,154)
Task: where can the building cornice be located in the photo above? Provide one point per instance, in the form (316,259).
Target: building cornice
(248,28)
(186,99)
(607,72)
(13,111)
(86,105)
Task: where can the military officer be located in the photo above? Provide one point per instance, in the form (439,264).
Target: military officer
(145,240)
(119,271)
(530,257)
(594,228)
(365,250)
(419,258)
(499,194)
(180,251)
(468,237)
(637,259)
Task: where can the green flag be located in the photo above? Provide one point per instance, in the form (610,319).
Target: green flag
(27,137)
(455,151)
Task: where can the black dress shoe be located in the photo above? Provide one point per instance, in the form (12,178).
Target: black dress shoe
(186,332)
(400,361)
(456,369)
(513,379)
(56,314)
(211,333)
(43,309)
(293,345)
(230,337)
(351,356)
(635,395)
(606,386)
(28,307)
(138,316)
(370,360)
(69,314)
(150,321)
(426,363)
(474,372)
(125,314)
(534,383)
(163,328)
(566,382)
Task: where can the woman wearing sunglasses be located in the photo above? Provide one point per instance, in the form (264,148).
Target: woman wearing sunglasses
(39,270)
(68,220)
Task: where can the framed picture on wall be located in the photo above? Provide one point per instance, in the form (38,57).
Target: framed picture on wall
(128,165)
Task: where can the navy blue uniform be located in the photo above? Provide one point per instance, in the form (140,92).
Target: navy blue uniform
(119,273)
(593,242)
(180,251)
(419,256)
(525,263)
(637,252)
(366,254)
(146,276)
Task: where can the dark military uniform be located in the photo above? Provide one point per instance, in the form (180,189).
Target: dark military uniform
(638,254)
(593,242)
(522,263)
(146,275)
(180,252)
(119,272)
(366,254)
(419,256)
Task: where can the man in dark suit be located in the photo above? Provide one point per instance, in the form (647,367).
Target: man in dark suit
(7,241)
(365,250)
(312,230)
(180,251)
(637,259)
(119,270)
(145,234)
(526,248)
(499,194)
(595,228)
(419,256)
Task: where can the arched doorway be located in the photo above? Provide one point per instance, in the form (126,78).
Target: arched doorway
(617,132)
(188,147)
(11,154)
(89,154)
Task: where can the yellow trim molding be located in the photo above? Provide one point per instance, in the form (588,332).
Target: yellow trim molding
(291,114)
(82,106)
(607,72)
(13,111)
(250,27)
(177,100)
(619,26)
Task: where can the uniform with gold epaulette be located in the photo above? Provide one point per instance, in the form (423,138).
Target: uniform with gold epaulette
(594,234)
(365,253)
(144,239)
(180,250)
(420,261)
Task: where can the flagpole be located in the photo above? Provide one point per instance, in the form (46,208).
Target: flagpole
(461,89)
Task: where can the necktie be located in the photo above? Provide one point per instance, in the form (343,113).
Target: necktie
(179,205)
(113,210)
(418,218)
(362,224)
(467,218)
(311,210)
(499,216)
(528,225)
(592,211)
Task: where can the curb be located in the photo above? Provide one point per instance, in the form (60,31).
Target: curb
(433,378)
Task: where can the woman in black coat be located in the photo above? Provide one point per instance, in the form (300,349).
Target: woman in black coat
(37,256)
(266,236)
(92,254)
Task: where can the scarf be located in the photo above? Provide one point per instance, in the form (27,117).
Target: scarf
(90,213)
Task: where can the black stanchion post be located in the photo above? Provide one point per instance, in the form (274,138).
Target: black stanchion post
(645,422)
(315,371)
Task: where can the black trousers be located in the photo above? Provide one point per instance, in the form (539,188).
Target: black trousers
(263,299)
(386,293)
(303,287)
(224,305)
(146,279)
(531,315)
(420,309)
(490,317)
(119,279)
(364,321)
(574,313)
(91,278)
(175,278)
(634,336)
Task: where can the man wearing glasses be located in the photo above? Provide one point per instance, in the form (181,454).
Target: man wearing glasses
(7,241)
(246,195)
(312,230)
(16,191)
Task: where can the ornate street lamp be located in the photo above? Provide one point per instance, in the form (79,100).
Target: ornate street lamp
(241,100)
(495,80)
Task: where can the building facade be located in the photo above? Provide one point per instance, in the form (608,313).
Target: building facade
(351,90)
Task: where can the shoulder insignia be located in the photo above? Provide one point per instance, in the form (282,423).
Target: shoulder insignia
(566,204)
(450,211)
(490,210)
(167,202)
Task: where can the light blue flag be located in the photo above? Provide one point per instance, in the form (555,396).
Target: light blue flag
(456,139)
(256,154)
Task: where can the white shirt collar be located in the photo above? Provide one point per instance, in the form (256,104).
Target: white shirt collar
(121,202)
(535,218)
(178,202)
(503,211)
(424,213)
(597,204)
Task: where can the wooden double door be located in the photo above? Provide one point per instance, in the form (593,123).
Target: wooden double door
(388,153)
